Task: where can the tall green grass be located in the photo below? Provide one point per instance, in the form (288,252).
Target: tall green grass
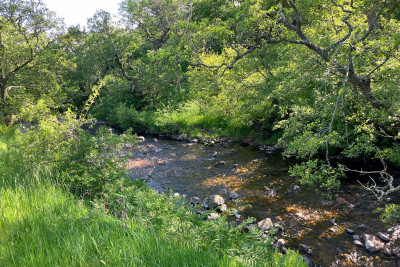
(43,224)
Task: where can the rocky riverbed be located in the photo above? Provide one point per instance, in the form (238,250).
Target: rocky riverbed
(340,232)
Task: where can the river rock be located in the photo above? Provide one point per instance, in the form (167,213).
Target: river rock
(358,243)
(222,208)
(265,224)
(213,216)
(340,201)
(306,249)
(349,231)
(270,192)
(194,200)
(383,237)
(278,227)
(182,137)
(280,243)
(372,243)
(234,196)
(175,195)
(220,163)
(362,227)
(193,141)
(387,252)
(296,187)
(356,237)
(213,201)
(396,250)
(141,138)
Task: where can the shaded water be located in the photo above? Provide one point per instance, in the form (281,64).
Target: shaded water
(307,218)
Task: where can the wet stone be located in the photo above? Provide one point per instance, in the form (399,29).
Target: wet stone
(372,243)
(213,201)
(213,216)
(220,163)
(349,231)
(358,243)
(195,200)
(356,237)
(387,252)
(362,227)
(279,243)
(306,249)
(222,208)
(396,250)
(383,237)
(340,201)
(234,196)
(265,224)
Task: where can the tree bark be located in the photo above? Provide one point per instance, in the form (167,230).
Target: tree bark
(3,89)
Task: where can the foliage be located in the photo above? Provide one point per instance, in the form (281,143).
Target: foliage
(390,214)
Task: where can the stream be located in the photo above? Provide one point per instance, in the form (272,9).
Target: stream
(262,181)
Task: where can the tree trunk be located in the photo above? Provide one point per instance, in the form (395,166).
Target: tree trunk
(3,89)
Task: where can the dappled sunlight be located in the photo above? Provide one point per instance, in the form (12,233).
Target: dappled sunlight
(310,216)
(140,163)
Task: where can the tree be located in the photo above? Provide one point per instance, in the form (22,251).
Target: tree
(342,96)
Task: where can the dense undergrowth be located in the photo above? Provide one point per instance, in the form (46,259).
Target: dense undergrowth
(64,200)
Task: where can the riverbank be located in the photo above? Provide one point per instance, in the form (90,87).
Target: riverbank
(54,212)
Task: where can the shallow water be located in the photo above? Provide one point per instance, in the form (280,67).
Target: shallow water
(307,218)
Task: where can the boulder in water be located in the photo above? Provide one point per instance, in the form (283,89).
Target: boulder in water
(213,201)
(372,243)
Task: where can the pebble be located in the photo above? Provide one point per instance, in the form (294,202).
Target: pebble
(349,231)
(356,237)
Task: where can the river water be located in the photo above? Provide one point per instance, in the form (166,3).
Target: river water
(261,179)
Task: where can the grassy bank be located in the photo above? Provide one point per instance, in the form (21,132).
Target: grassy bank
(46,221)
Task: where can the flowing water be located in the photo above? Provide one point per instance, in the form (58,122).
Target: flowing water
(261,179)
